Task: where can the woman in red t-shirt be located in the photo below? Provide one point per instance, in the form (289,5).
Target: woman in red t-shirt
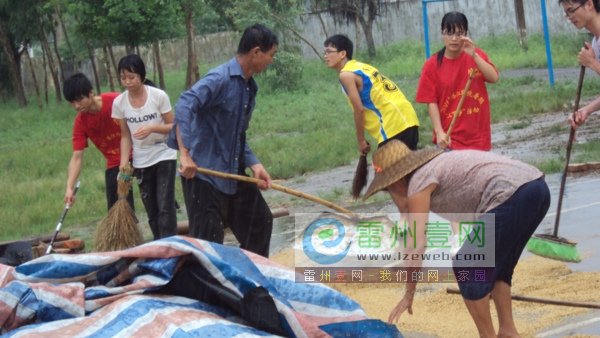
(442,83)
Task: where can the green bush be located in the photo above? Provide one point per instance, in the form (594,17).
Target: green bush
(285,73)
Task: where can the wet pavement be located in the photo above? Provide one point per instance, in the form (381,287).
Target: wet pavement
(579,222)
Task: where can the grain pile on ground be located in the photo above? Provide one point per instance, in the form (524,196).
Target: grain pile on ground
(440,314)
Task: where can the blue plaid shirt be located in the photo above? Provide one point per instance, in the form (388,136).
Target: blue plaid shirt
(213,117)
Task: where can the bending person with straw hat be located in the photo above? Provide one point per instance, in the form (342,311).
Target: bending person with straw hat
(475,182)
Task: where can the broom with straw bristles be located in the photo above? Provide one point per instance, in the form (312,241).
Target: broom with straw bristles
(360,176)
(119,229)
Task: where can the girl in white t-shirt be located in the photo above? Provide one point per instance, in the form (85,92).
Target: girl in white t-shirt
(145,116)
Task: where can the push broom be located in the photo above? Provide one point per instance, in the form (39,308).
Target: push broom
(119,229)
(552,246)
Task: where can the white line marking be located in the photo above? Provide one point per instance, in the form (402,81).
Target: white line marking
(565,328)
(573,209)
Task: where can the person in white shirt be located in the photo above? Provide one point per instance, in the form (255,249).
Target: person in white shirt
(145,115)
(585,14)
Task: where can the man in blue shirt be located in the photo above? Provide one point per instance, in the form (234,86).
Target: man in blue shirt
(211,120)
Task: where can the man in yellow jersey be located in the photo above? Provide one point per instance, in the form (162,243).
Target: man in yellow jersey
(379,106)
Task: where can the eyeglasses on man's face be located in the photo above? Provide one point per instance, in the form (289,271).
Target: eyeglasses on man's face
(572,10)
(457,34)
(330,51)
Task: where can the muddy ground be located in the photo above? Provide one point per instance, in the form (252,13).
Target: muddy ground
(534,140)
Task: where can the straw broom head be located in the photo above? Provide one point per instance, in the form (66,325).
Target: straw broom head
(360,176)
(119,229)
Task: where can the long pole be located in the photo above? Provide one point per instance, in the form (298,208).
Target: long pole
(563,179)
(460,103)
(62,219)
(541,300)
(276,187)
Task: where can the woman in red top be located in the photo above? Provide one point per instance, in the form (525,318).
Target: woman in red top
(442,83)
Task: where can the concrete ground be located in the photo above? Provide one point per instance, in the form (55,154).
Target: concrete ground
(579,222)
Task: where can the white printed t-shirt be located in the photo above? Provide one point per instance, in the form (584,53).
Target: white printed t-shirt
(153,148)
(596,48)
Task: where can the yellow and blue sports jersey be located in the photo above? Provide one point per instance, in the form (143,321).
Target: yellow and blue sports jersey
(387,111)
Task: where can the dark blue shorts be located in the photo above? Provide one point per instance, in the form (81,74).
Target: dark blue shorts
(515,222)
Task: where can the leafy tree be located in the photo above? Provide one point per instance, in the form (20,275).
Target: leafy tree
(44,27)
(12,55)
(138,22)
(363,11)
(16,32)
(192,72)
(280,15)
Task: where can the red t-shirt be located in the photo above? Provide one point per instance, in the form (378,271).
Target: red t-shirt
(99,127)
(443,84)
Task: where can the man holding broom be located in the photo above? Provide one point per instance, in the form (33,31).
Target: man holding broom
(585,14)
(93,122)
(379,107)
(211,120)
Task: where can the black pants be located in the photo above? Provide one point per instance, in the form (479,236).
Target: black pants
(157,189)
(409,136)
(110,182)
(246,213)
(515,221)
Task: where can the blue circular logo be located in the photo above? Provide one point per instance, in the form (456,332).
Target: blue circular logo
(322,232)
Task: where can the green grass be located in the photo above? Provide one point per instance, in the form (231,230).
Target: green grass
(293,133)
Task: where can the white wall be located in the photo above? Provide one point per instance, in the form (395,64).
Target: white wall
(403,20)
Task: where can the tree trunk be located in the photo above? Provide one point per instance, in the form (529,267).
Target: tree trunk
(111,82)
(13,66)
(45,68)
(154,66)
(112,59)
(51,64)
(58,57)
(357,26)
(64,30)
(295,32)
(94,68)
(323,24)
(368,29)
(161,75)
(35,82)
(521,26)
(192,73)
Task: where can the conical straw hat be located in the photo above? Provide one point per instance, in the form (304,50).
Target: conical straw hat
(395,160)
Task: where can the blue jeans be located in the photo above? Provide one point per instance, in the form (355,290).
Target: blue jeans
(515,222)
(110,182)
(157,190)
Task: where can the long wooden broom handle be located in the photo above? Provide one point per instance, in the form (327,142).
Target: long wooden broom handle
(541,300)
(563,178)
(276,187)
(460,103)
